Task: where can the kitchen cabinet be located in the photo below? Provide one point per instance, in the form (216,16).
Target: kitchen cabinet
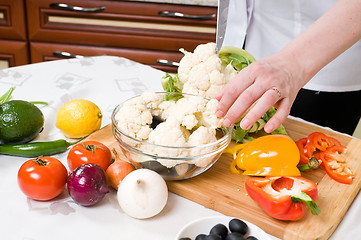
(13,53)
(13,40)
(147,32)
(44,51)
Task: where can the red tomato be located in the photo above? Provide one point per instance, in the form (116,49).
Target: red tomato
(117,171)
(43,178)
(89,152)
(333,161)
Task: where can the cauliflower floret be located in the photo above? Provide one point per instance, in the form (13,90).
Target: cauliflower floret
(186,110)
(151,99)
(205,51)
(187,62)
(201,136)
(208,117)
(202,72)
(199,77)
(169,133)
(162,109)
(134,119)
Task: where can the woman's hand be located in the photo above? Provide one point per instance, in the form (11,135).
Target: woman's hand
(276,79)
(271,81)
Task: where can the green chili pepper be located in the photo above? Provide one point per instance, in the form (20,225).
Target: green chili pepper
(36,149)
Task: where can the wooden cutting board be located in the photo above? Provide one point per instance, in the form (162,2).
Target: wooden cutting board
(223,191)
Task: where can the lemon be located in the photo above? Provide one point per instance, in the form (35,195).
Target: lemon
(20,121)
(78,118)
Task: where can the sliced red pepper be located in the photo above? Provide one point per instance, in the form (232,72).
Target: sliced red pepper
(334,163)
(284,198)
(301,147)
(318,142)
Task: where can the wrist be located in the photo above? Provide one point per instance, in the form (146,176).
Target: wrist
(297,66)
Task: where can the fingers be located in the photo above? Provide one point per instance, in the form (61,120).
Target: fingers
(279,117)
(251,84)
(268,82)
(231,92)
(268,99)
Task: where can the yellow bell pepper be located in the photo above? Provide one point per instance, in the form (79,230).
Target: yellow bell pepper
(271,155)
(235,149)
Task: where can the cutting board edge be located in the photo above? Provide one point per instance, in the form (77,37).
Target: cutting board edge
(286,232)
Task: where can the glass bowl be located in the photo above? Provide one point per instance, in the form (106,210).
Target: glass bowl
(172,163)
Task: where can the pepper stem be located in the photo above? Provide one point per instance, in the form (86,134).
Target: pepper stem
(313,163)
(305,198)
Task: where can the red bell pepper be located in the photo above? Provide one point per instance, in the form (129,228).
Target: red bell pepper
(318,142)
(284,198)
(333,161)
(301,147)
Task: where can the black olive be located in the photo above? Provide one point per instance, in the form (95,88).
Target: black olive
(237,225)
(251,238)
(201,237)
(235,236)
(220,230)
(213,237)
(185,238)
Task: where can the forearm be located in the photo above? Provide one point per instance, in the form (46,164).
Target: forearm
(333,33)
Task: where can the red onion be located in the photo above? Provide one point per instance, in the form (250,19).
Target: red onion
(87,184)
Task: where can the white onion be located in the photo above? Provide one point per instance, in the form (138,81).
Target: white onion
(142,194)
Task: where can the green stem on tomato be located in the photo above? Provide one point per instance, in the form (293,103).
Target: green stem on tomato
(40,162)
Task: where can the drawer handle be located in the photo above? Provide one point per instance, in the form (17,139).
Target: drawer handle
(75,8)
(66,55)
(182,15)
(167,63)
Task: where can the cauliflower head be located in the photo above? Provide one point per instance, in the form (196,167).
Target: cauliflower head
(202,73)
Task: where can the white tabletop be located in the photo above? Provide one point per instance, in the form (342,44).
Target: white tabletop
(105,81)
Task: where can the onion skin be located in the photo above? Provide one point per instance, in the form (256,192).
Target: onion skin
(142,194)
(87,184)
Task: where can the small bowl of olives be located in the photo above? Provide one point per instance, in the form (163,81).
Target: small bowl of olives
(221,228)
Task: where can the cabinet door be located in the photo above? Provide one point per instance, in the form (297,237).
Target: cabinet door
(12,20)
(51,51)
(13,53)
(126,24)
